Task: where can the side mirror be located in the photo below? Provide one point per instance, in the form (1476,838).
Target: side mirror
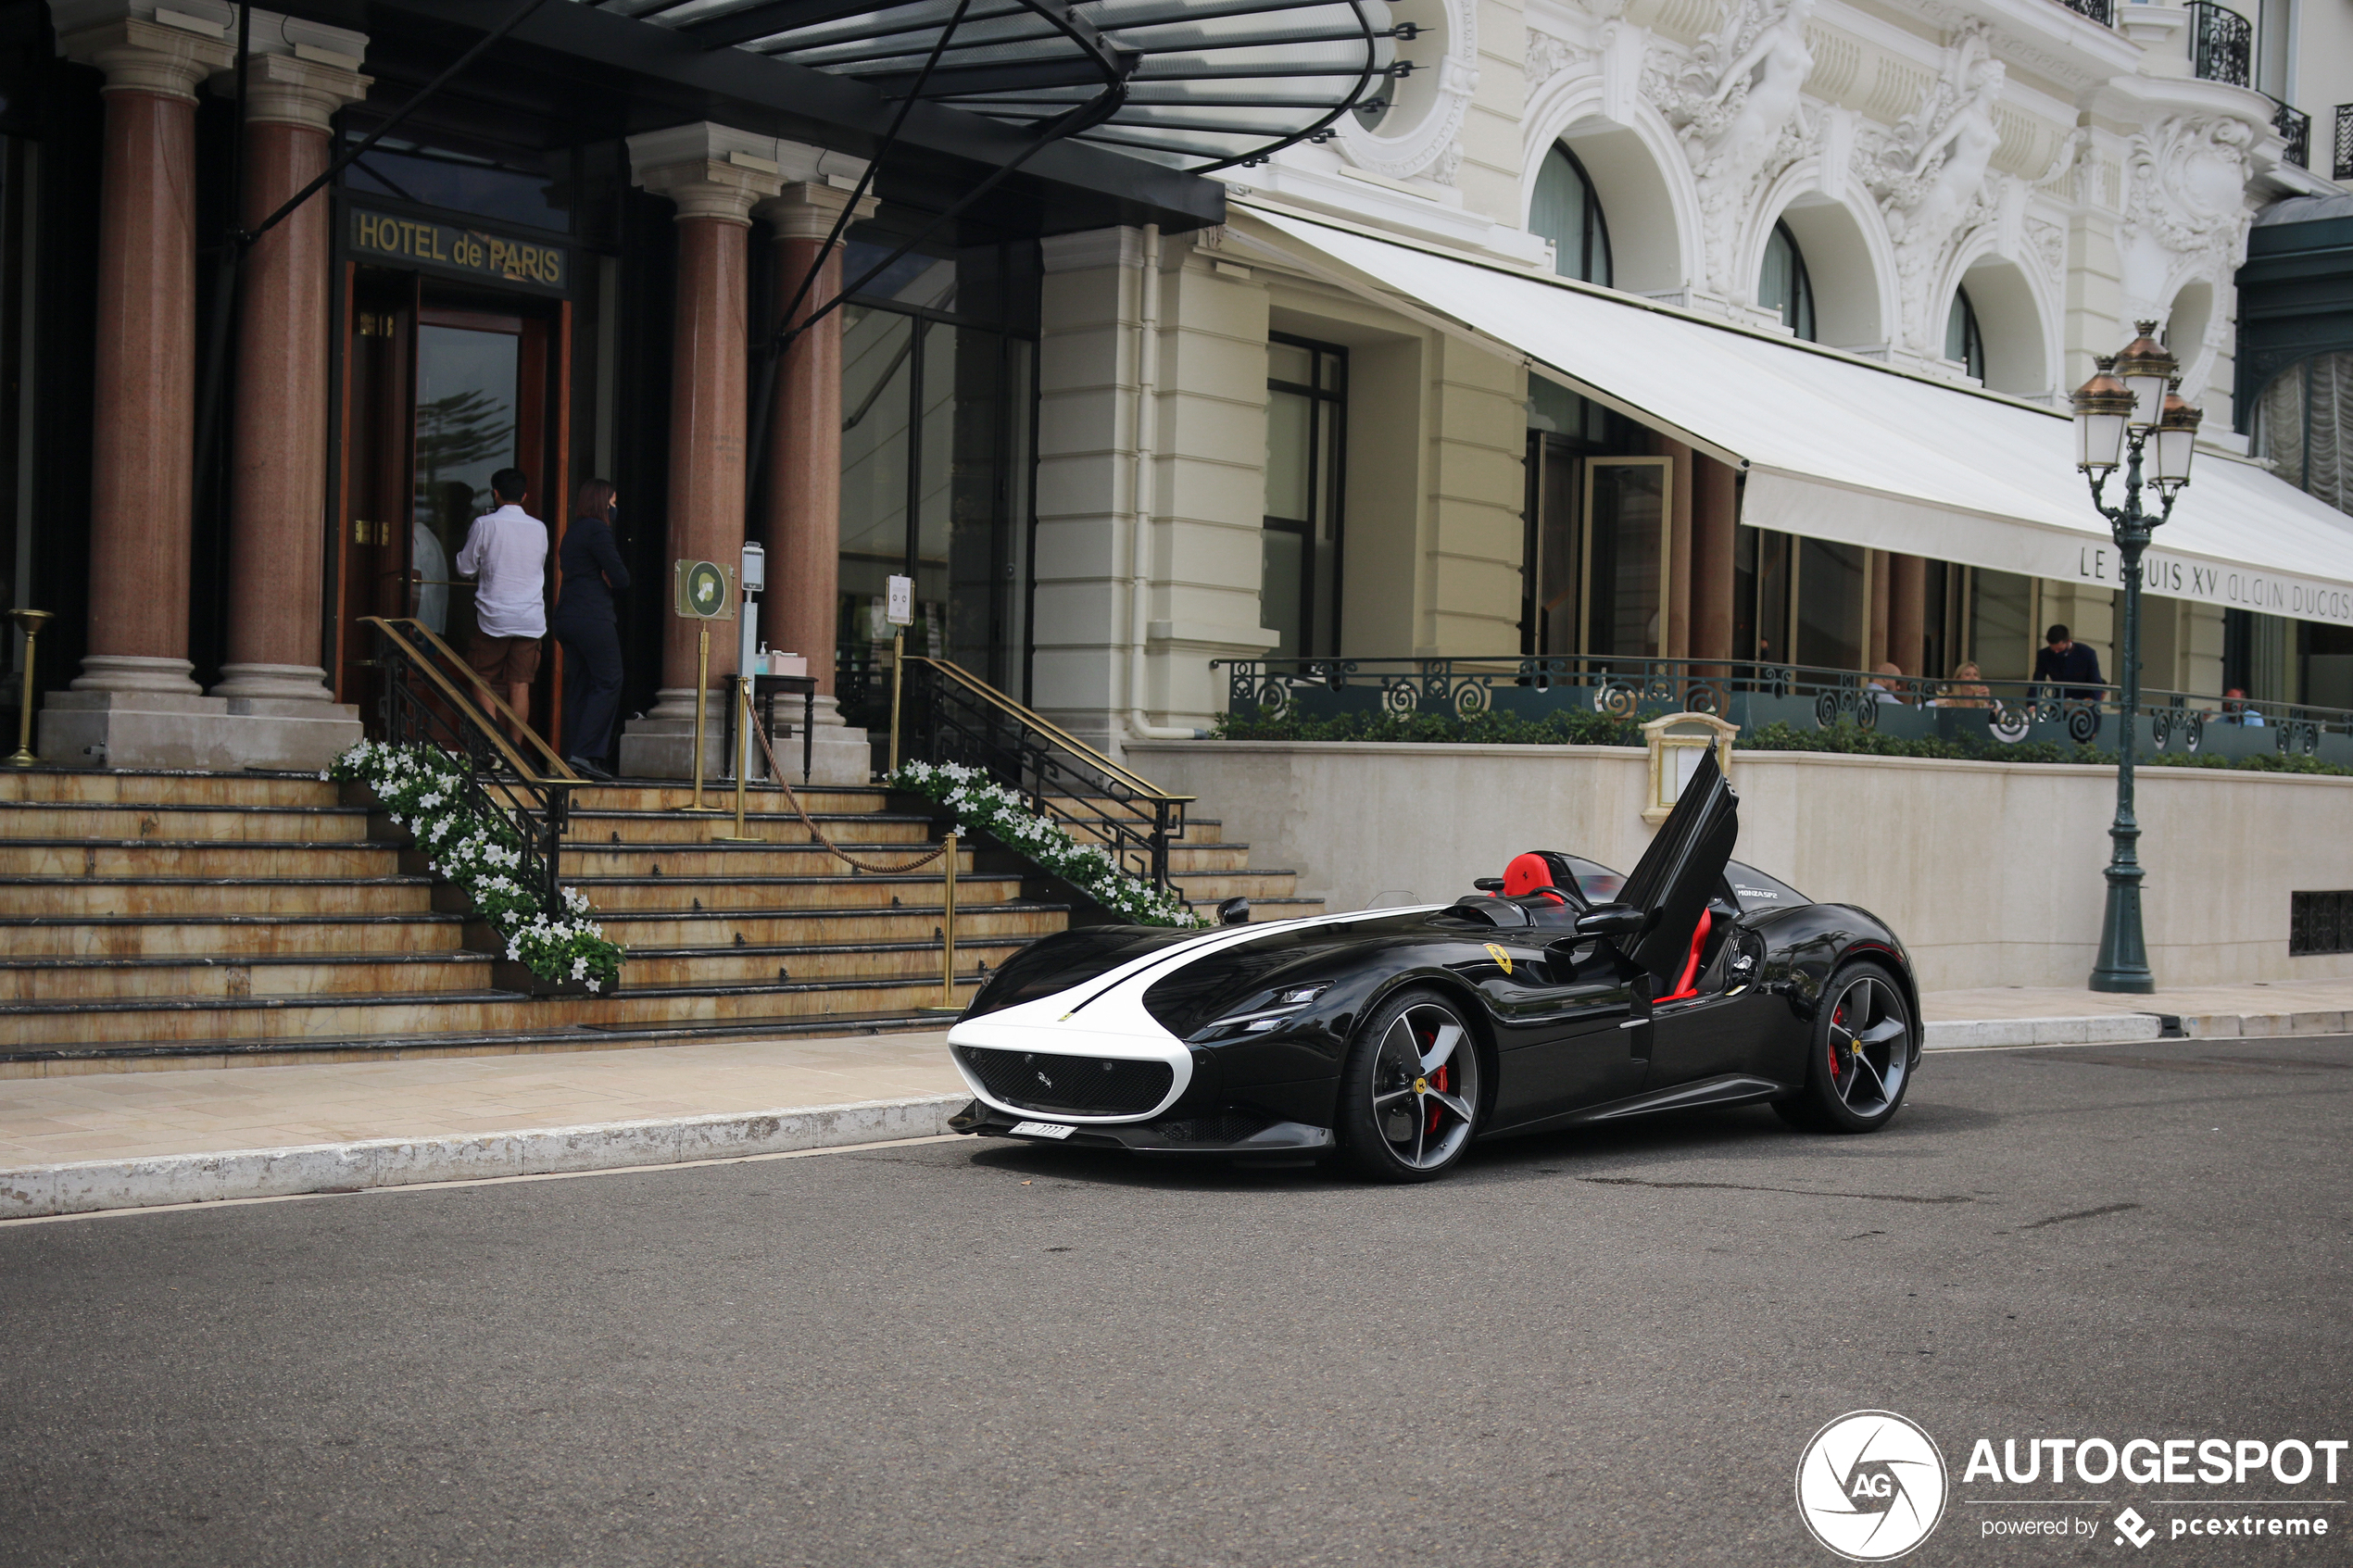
(1489,884)
(1234,911)
(1610,920)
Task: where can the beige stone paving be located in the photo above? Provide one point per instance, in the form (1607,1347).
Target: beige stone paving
(45,1120)
(128,1116)
(2023,1001)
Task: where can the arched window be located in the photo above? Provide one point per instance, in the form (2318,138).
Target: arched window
(1568,213)
(1964,344)
(1783,286)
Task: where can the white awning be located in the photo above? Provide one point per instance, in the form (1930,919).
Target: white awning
(1840,448)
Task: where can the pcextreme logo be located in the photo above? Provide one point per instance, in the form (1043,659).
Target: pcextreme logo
(1871,1485)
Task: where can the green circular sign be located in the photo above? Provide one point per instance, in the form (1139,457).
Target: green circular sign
(706,589)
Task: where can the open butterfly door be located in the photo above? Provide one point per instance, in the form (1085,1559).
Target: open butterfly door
(1679,871)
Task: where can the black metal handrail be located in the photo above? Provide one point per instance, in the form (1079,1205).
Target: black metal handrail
(433,697)
(2296,129)
(2095,9)
(2222,44)
(2341,165)
(1627,688)
(966,720)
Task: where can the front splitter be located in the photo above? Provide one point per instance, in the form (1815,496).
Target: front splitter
(1227,1130)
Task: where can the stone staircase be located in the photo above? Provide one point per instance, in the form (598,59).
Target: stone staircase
(162,920)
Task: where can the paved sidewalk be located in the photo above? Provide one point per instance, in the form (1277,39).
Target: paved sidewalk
(133,1139)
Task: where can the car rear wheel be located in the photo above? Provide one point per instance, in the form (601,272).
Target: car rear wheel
(1861,1059)
(1409,1093)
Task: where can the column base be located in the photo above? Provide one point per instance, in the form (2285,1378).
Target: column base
(282,682)
(662,745)
(148,729)
(135,673)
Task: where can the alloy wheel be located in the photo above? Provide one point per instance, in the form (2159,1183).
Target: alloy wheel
(1425,1086)
(1869,1046)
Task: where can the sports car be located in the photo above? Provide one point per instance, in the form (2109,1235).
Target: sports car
(1392,1039)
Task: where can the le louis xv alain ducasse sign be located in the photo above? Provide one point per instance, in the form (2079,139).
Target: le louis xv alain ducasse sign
(444,248)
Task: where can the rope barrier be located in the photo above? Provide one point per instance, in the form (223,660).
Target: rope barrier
(778,774)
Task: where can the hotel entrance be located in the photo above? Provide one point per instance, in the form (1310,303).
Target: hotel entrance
(443,385)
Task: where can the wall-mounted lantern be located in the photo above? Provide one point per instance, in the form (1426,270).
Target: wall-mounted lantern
(1676,742)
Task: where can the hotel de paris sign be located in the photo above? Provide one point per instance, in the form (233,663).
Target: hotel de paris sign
(456,252)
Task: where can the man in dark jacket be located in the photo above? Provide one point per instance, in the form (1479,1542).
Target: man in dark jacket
(2068,665)
(592,570)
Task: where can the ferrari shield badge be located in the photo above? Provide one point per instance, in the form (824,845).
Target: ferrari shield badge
(1500,955)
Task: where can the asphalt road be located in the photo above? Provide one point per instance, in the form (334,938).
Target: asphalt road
(1592,1349)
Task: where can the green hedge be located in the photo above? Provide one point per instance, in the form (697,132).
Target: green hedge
(1600,729)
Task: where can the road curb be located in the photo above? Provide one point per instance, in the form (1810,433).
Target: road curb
(2109,1028)
(89,1186)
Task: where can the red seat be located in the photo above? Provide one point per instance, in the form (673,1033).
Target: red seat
(1528,874)
(1689,984)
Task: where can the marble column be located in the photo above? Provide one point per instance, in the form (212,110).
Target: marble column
(1875,614)
(1714,509)
(1907,613)
(801,487)
(134,703)
(278,480)
(715,184)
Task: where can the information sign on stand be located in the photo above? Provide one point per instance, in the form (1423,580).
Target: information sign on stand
(901,608)
(705,592)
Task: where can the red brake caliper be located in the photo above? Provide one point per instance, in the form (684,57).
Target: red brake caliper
(1437,1082)
(1836,1019)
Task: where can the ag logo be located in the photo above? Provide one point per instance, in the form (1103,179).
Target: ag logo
(1871,1485)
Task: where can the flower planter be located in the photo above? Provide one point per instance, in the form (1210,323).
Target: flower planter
(506,974)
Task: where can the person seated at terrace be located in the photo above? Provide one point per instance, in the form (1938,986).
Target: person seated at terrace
(1883,687)
(2237,711)
(1967,688)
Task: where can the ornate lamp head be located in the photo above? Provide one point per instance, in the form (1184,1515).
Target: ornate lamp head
(2146,368)
(2176,441)
(2102,405)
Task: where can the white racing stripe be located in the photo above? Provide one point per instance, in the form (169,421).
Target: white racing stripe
(1104,1015)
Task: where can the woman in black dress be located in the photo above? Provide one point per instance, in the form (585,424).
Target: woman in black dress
(583,623)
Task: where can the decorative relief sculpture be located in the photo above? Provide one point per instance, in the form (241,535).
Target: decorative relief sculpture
(1928,175)
(1735,104)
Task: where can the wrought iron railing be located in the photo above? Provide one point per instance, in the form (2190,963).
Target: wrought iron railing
(2222,43)
(954,718)
(433,697)
(2341,165)
(2095,9)
(1751,694)
(2296,129)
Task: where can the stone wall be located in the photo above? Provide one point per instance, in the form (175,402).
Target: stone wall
(1991,871)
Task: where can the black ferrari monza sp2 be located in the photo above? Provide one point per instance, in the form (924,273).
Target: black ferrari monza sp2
(1394,1037)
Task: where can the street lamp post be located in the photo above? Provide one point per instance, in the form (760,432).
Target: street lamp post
(2127,415)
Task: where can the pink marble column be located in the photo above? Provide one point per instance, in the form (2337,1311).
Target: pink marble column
(144,365)
(803,468)
(278,477)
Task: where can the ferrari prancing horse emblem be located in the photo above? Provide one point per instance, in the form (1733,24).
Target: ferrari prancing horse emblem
(1500,955)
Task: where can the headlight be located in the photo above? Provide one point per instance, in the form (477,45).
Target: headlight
(1268,1015)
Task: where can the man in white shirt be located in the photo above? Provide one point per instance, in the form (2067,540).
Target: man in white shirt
(508,549)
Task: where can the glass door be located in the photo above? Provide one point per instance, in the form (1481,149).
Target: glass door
(1626,511)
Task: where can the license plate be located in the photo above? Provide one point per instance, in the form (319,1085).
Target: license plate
(1042,1130)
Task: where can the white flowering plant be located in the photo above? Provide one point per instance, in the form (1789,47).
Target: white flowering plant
(982,805)
(422,789)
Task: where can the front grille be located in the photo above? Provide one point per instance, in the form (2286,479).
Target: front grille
(1072,1086)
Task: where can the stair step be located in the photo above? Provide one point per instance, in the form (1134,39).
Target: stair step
(782,827)
(73,897)
(118,821)
(240,860)
(688,895)
(589,863)
(712,930)
(848,960)
(155,787)
(60,979)
(273,935)
(1211,887)
(631,795)
(32,1029)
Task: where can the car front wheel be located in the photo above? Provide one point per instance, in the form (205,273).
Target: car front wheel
(1409,1093)
(1861,1059)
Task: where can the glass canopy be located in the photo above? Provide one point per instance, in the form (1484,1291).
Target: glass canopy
(1198,84)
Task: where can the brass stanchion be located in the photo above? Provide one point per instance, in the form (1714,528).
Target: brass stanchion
(947,1002)
(702,691)
(29,621)
(898,657)
(745,717)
